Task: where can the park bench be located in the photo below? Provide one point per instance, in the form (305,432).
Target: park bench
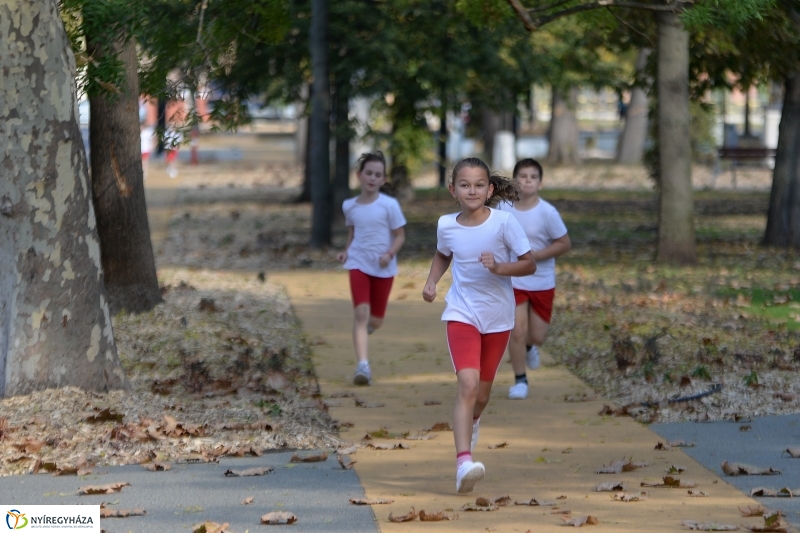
(741,153)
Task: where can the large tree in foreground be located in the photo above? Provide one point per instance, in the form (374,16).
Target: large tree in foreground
(55,328)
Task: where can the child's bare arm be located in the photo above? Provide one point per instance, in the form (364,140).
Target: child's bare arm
(439,266)
(559,247)
(524,266)
(342,256)
(398,240)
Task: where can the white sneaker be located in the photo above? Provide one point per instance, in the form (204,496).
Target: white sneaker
(518,391)
(363,374)
(533,358)
(467,475)
(476,426)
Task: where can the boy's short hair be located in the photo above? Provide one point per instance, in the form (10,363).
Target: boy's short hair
(528,162)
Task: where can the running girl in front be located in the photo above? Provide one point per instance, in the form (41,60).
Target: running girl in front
(486,247)
(375,234)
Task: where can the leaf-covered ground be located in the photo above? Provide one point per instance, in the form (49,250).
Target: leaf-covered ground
(223,368)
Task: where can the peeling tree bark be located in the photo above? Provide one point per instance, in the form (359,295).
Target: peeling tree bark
(676,235)
(563,133)
(55,328)
(118,189)
(630,149)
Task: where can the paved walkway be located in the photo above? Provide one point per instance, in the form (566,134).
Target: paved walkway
(553,447)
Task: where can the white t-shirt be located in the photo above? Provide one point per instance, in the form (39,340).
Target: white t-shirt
(477,296)
(372,234)
(542,225)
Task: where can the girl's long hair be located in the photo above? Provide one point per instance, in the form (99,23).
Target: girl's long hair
(505,190)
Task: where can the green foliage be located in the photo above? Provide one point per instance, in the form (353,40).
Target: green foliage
(701,372)
(725,14)
(751,379)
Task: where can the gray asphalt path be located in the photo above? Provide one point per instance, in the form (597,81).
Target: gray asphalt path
(175,500)
(763,445)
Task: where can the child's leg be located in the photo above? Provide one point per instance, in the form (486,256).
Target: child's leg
(464,342)
(360,290)
(379,299)
(468,385)
(493,346)
(516,347)
(538,319)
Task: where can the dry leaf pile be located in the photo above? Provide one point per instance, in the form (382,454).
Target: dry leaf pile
(204,385)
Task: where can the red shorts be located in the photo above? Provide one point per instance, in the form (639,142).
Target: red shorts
(471,349)
(370,290)
(541,301)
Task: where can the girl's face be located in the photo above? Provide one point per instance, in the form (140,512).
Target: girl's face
(529,181)
(372,177)
(471,188)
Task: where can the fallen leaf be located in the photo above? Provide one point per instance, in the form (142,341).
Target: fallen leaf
(102,489)
(346,466)
(257,471)
(210,527)
(349,450)
(661,446)
(436,516)
(369,501)
(120,513)
(671,483)
(752,510)
(297,458)
(626,497)
(248,500)
(738,469)
(675,469)
(707,526)
(782,492)
(157,466)
(29,445)
(697,493)
(562,497)
(534,502)
(441,426)
(476,507)
(403,518)
(794,452)
(367,405)
(278,518)
(609,486)
(397,446)
(104,415)
(619,466)
(556,510)
(431,402)
(579,521)
(681,444)
(499,445)
(501,501)
(745,428)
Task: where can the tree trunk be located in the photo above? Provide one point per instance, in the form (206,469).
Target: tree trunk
(442,140)
(55,326)
(302,136)
(783,221)
(118,189)
(630,149)
(563,133)
(320,128)
(676,235)
(341,179)
(398,176)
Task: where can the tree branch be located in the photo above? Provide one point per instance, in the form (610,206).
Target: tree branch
(523,14)
(532,25)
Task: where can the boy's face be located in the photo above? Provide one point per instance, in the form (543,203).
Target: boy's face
(529,181)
